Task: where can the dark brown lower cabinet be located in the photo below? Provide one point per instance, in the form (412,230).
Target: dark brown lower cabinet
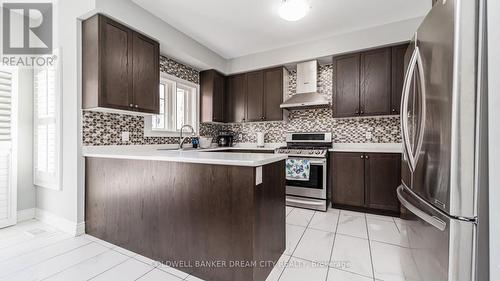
(365,181)
(348,179)
(382,177)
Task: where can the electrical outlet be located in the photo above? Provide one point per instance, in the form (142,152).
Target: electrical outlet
(368,135)
(125,136)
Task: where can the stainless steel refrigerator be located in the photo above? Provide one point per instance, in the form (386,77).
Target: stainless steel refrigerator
(443,192)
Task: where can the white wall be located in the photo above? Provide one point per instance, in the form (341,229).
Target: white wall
(494,134)
(364,39)
(68,202)
(25,188)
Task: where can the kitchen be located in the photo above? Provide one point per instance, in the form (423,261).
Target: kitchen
(282,162)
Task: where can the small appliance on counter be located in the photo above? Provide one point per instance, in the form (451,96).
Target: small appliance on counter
(225,139)
(205,142)
(260,139)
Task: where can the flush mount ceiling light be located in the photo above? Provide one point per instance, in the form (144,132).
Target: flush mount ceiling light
(293,10)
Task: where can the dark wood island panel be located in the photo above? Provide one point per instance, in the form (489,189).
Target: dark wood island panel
(185,214)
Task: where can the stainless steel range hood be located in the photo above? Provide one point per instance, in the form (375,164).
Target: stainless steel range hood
(307,95)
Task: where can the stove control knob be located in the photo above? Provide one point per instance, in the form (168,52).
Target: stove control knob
(299,152)
(318,152)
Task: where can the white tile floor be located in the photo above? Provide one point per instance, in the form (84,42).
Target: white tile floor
(332,246)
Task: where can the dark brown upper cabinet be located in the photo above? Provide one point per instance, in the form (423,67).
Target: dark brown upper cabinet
(236,97)
(212,93)
(398,74)
(264,95)
(255,96)
(146,77)
(346,89)
(366,83)
(273,97)
(120,67)
(375,90)
(365,180)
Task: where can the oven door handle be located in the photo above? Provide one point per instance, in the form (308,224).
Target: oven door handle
(313,162)
(323,162)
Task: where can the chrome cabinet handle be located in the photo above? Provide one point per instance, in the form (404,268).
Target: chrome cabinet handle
(362,156)
(131,105)
(136,106)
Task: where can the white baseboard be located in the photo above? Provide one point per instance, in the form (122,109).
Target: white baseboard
(62,224)
(26,214)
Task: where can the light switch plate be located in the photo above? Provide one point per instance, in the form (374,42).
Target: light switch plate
(125,136)
(368,135)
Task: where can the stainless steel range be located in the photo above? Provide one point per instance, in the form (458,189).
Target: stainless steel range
(313,192)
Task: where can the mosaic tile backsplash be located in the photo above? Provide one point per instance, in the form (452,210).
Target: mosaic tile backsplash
(105,128)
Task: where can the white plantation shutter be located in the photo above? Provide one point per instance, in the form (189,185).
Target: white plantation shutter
(8,193)
(5,105)
(5,187)
(46,128)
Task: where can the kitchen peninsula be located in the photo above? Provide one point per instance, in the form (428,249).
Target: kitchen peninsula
(215,215)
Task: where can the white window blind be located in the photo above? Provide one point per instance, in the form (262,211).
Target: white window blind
(5,105)
(7,186)
(46,128)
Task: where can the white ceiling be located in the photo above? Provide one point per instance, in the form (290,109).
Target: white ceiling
(235,28)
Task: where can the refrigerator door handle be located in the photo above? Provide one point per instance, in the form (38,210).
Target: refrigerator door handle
(420,67)
(430,219)
(404,110)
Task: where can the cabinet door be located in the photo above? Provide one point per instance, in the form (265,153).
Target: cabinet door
(382,177)
(346,89)
(212,95)
(115,65)
(255,96)
(348,179)
(146,74)
(207,95)
(273,94)
(398,73)
(236,98)
(375,97)
(218,98)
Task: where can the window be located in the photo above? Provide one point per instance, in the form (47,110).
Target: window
(46,128)
(178,107)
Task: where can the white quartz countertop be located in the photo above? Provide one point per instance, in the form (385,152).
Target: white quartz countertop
(170,153)
(368,147)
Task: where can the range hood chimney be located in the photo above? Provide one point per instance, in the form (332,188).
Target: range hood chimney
(307,95)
